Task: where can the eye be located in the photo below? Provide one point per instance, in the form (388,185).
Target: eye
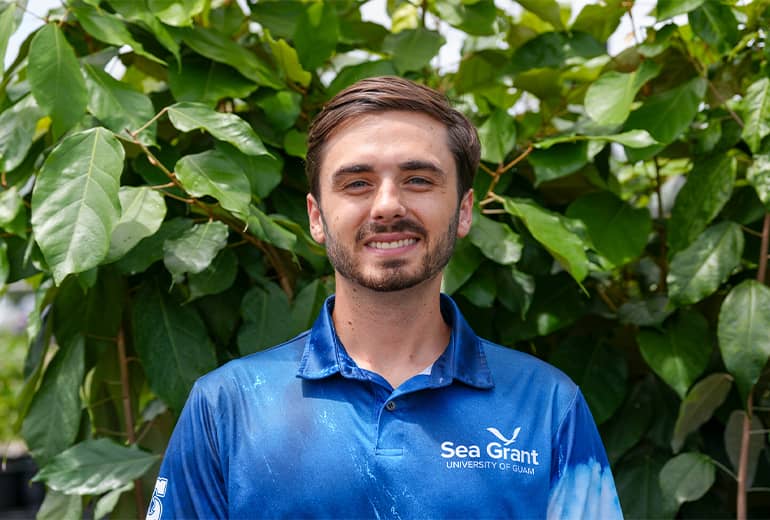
(356,185)
(419,181)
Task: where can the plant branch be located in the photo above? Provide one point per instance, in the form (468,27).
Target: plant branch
(743,464)
(146,125)
(762,270)
(128,413)
(504,168)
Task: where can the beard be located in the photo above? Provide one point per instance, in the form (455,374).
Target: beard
(392,275)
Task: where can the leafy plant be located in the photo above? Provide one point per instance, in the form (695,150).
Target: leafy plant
(621,229)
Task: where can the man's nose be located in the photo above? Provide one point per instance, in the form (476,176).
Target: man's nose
(388,202)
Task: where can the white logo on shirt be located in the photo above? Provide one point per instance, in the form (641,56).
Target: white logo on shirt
(156,507)
(494,455)
(496,433)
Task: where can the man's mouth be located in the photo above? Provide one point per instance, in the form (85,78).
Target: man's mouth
(393,244)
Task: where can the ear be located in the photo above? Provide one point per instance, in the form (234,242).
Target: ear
(465,216)
(316,219)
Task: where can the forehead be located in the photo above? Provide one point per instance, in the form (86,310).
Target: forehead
(383,137)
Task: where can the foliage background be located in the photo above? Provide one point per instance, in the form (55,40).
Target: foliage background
(621,231)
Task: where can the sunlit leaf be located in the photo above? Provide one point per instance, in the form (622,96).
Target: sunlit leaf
(214,174)
(716,24)
(195,249)
(687,477)
(498,136)
(176,12)
(495,239)
(758,175)
(316,34)
(756,110)
(186,116)
(608,100)
(286,57)
(413,49)
(17,130)
(669,8)
(142,212)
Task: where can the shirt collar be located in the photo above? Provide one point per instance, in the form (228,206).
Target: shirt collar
(463,359)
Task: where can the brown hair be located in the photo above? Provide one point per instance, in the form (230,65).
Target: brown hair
(381,94)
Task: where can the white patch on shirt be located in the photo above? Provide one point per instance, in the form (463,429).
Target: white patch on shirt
(156,506)
(585,491)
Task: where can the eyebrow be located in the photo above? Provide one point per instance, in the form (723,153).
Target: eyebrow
(410,165)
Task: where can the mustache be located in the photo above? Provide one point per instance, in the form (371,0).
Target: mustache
(372,228)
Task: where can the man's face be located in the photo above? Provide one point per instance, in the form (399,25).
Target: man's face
(389,212)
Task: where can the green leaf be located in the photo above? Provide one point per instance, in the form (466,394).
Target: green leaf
(316,34)
(699,270)
(263,171)
(548,228)
(498,136)
(638,483)
(699,405)
(464,262)
(138,12)
(631,139)
(188,116)
(220,48)
(681,352)
(176,12)
(708,187)
(216,278)
(119,107)
(475,18)
(758,175)
(278,16)
(288,61)
(733,439)
(58,506)
(547,10)
(600,20)
(106,504)
(647,312)
(554,49)
(94,467)
(207,82)
(608,100)
(75,201)
(265,228)
(172,344)
(744,333)
(412,49)
(281,108)
(516,290)
(669,8)
(629,424)
(479,70)
(11,203)
(149,250)
(53,418)
(55,78)
(349,75)
(598,369)
(268,319)
(17,130)
(142,212)
(715,23)
(307,304)
(9,22)
(109,29)
(214,174)
(481,289)
(687,477)
(195,249)
(617,231)
(495,239)
(756,113)
(558,161)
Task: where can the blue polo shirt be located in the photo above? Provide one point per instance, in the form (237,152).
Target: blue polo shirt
(300,431)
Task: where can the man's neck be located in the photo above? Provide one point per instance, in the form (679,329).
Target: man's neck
(394,334)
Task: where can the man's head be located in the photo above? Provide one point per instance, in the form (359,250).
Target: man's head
(389,93)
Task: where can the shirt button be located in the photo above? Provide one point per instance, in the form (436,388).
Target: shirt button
(390,406)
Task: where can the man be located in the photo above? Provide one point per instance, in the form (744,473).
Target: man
(390,406)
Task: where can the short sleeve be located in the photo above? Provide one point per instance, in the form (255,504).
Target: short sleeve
(190,483)
(581,480)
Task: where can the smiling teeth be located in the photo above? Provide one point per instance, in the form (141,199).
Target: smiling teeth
(393,245)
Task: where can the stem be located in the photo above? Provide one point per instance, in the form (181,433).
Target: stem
(762,272)
(724,468)
(661,228)
(128,414)
(147,124)
(502,169)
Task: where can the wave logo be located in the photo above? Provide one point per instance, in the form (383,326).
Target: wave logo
(156,507)
(501,437)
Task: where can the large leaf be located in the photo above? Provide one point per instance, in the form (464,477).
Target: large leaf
(109,29)
(268,319)
(679,353)
(412,49)
(476,18)
(55,78)
(670,8)
(618,231)
(316,34)
(548,228)
(758,175)
(263,171)
(548,10)
(638,482)
(207,82)
(265,228)
(687,477)
(9,21)
(75,201)
(756,113)
(699,405)
(288,61)
(744,333)
(599,369)
(58,506)
(214,174)
(149,250)
(186,116)
(631,139)
(699,270)
(556,161)
(53,418)
(462,265)
(220,48)
(94,467)
(554,49)
(17,130)
(195,249)
(142,212)
(498,136)
(118,106)
(600,20)
(733,438)
(353,73)
(708,188)
(716,24)
(629,424)
(495,239)
(176,12)
(217,277)
(608,100)
(172,343)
